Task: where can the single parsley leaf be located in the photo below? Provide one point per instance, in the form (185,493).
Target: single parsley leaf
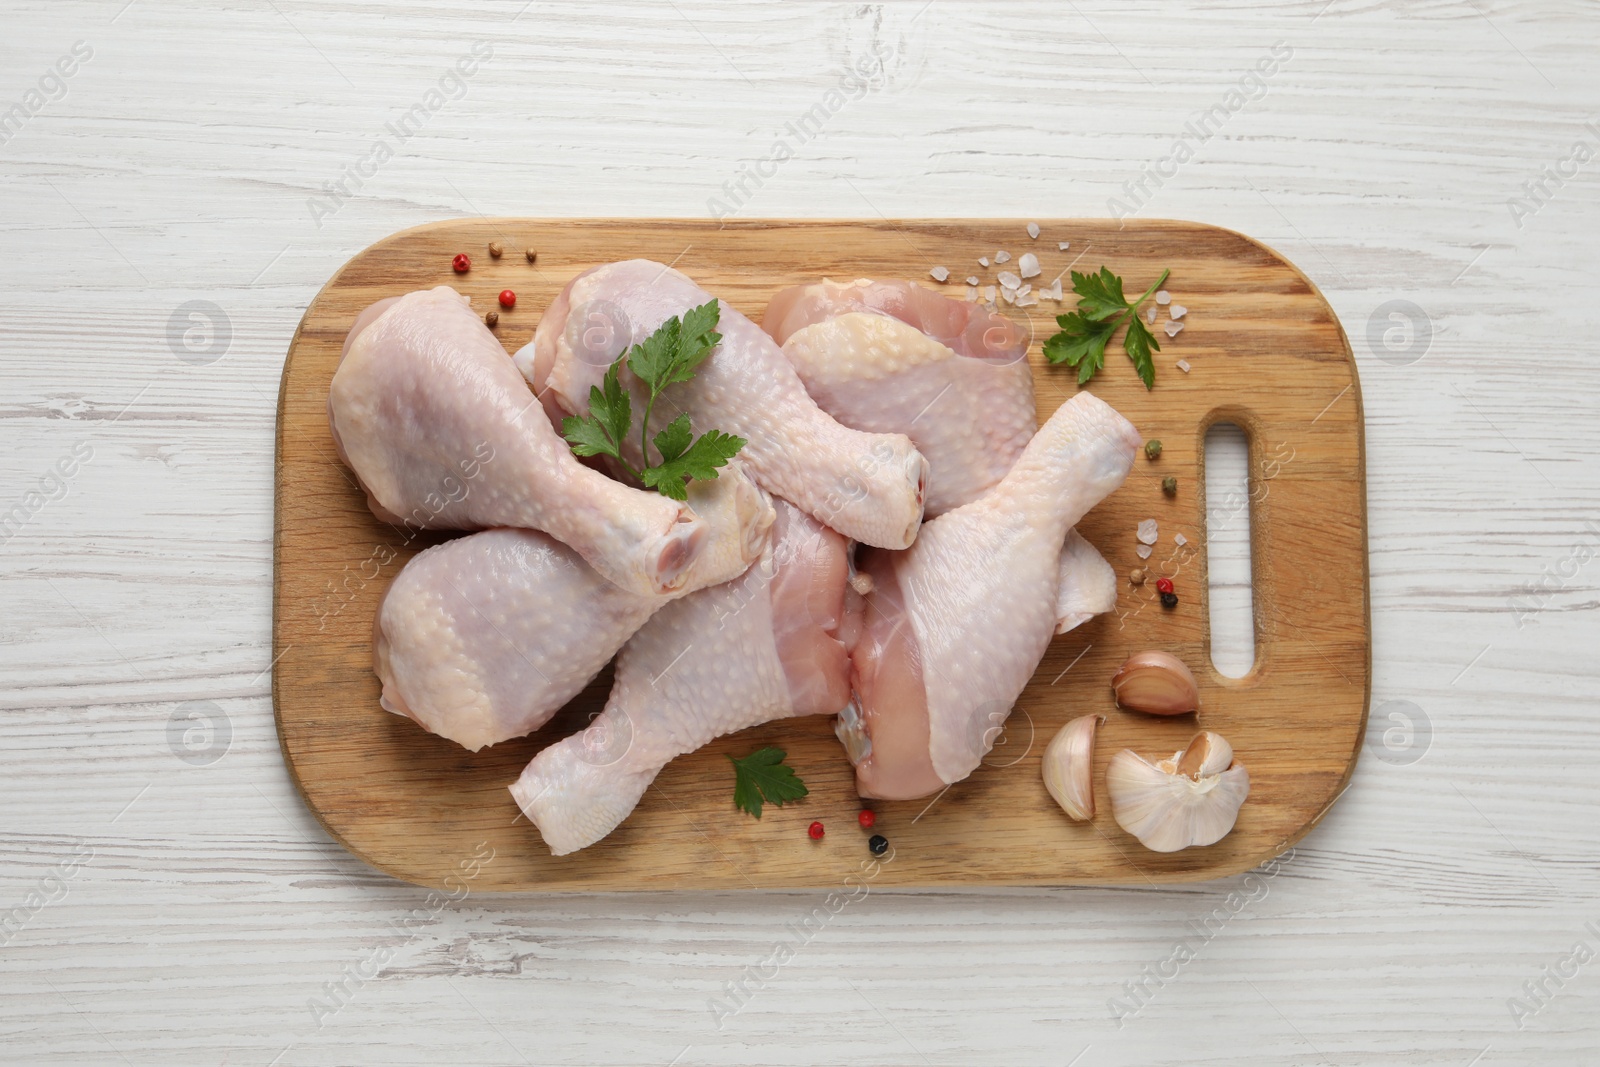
(699,461)
(1138,343)
(675,351)
(763,775)
(1099,295)
(601,432)
(1081,344)
(674,440)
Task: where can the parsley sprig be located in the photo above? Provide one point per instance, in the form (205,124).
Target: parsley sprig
(763,775)
(670,355)
(1101,310)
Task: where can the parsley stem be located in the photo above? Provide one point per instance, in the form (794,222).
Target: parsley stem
(1135,305)
(644,431)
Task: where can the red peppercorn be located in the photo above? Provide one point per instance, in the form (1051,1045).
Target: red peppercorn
(508,299)
(1163,585)
(462,263)
(866,819)
(816,831)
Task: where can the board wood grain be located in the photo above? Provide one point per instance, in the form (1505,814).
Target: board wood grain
(1267,353)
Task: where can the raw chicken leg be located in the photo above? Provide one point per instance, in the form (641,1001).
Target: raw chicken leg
(760,648)
(956,625)
(867,486)
(485,637)
(431,415)
(970,416)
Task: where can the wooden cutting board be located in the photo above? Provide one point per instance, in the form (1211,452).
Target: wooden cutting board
(1266,352)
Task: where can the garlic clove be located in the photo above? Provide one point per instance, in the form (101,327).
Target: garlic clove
(1167,808)
(1068,767)
(1156,683)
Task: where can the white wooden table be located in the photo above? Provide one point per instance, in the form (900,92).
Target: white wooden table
(174,903)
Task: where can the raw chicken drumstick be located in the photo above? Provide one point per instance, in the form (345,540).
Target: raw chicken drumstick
(893,357)
(867,486)
(764,647)
(443,434)
(484,638)
(865,354)
(955,626)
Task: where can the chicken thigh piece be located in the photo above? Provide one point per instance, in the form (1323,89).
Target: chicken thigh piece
(955,626)
(867,486)
(440,429)
(967,328)
(971,416)
(766,646)
(484,638)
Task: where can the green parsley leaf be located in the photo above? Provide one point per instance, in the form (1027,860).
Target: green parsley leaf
(699,461)
(763,775)
(1081,343)
(1099,295)
(1102,309)
(1138,343)
(601,432)
(674,440)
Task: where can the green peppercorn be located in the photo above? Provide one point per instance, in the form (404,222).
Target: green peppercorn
(1169,486)
(1152,449)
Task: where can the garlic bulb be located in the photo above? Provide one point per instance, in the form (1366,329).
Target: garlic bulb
(1156,683)
(1191,799)
(1068,766)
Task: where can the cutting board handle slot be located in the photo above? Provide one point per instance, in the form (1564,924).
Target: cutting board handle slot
(1228,466)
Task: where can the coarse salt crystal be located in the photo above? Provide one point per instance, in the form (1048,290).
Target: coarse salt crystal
(1061,246)
(988,293)
(1025,290)
(1148,532)
(1143,551)
(1179,540)
(1002,256)
(1008,295)
(1163,297)
(1150,316)
(1177,311)
(1033,230)
(1008,280)
(1183,365)
(1026,301)
(1055,290)
(972,292)
(1172,328)
(940,274)
(1028,265)
(983,261)
(972,279)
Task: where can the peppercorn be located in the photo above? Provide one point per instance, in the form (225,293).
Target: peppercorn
(1136,576)
(1169,486)
(1163,585)
(508,299)
(461,264)
(491,319)
(495,250)
(1152,449)
(816,831)
(878,844)
(866,819)
(531,254)
(1169,600)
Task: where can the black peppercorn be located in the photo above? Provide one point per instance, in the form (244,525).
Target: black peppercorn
(878,844)
(1169,600)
